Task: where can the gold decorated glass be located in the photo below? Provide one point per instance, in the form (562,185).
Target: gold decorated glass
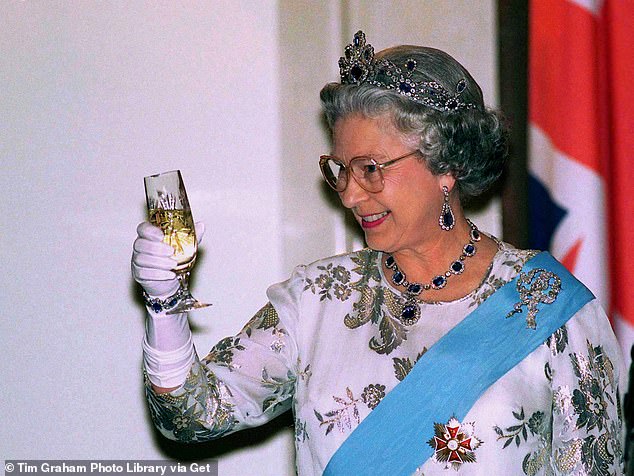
(168,209)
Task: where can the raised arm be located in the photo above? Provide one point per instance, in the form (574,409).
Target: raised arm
(245,380)
(168,347)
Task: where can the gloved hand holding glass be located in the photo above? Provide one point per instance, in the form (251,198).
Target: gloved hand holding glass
(165,250)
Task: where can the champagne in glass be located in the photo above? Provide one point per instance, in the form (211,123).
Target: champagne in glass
(178,231)
(168,208)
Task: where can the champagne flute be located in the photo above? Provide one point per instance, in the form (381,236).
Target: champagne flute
(168,208)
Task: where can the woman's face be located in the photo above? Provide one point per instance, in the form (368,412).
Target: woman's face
(403,215)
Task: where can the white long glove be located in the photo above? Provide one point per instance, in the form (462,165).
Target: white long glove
(168,349)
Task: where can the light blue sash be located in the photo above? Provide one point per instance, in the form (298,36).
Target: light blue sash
(452,375)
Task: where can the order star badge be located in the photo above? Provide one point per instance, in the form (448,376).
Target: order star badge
(454,443)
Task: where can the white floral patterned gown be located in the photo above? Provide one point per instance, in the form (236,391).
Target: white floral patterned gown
(330,345)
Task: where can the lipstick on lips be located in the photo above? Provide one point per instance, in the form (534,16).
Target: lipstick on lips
(371,221)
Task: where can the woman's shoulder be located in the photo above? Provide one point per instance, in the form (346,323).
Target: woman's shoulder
(515,260)
(510,252)
(361,261)
(509,260)
(589,322)
(338,271)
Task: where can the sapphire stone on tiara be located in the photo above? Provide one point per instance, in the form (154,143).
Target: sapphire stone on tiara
(358,61)
(359,66)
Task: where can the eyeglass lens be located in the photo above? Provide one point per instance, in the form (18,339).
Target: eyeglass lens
(365,170)
(335,174)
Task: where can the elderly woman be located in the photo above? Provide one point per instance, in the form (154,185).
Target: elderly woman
(437,346)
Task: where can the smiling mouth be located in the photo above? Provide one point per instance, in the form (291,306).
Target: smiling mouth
(373,218)
(369,221)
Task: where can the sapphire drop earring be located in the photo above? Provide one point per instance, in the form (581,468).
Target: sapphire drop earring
(447,219)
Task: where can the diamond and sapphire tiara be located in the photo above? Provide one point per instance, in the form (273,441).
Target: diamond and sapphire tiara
(358,66)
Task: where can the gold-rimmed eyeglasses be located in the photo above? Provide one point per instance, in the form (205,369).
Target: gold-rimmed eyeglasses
(366,171)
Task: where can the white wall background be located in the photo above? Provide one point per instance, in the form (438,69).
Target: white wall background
(96,95)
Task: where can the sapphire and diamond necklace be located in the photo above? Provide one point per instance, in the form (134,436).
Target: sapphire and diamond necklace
(411,312)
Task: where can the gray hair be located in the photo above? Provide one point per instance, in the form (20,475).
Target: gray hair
(468,143)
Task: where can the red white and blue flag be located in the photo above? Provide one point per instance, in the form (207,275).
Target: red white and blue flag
(581,146)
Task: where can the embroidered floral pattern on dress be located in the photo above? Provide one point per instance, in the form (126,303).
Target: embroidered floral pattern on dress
(301,432)
(279,343)
(595,455)
(266,318)
(198,411)
(493,282)
(281,389)
(305,374)
(222,352)
(589,407)
(376,304)
(596,375)
(562,406)
(333,279)
(519,432)
(403,366)
(372,395)
(348,412)
(537,429)
(454,443)
(558,341)
(342,417)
